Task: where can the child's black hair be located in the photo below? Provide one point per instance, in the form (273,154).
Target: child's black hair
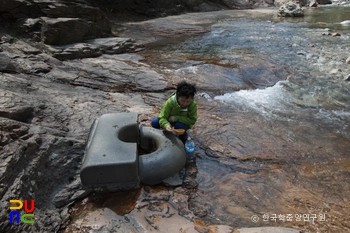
(185,89)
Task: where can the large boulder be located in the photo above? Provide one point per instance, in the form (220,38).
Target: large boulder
(290,9)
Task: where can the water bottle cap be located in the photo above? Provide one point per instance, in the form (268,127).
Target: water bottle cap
(188,138)
(190,149)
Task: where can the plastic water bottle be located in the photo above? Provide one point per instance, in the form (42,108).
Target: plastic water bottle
(190,147)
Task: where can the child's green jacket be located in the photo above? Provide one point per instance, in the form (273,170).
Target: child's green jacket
(171,107)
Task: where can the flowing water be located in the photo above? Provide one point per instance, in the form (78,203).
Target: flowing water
(273,134)
(274,126)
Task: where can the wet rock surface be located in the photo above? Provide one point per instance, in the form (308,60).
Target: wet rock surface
(47,107)
(50,95)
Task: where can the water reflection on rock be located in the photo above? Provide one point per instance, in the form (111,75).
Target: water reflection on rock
(273,164)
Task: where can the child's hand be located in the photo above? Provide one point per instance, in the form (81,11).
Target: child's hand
(169,128)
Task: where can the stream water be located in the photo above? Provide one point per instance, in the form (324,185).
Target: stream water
(273,134)
(274,128)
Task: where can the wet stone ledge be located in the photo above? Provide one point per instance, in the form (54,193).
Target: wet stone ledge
(94,48)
